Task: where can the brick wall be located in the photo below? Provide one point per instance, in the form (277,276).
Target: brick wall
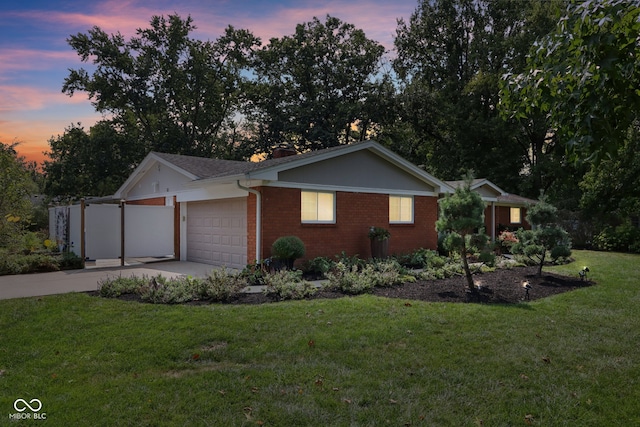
(355,214)
(503,219)
(155,201)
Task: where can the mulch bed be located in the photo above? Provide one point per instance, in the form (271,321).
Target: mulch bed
(503,286)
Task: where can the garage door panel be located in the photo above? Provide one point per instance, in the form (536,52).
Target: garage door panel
(217,232)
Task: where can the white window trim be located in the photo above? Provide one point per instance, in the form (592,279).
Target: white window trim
(309,221)
(413,209)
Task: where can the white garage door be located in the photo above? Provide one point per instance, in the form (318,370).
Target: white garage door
(217,232)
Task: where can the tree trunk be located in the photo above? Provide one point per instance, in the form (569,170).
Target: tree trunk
(541,264)
(465,264)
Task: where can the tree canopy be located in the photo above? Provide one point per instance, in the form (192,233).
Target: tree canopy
(585,76)
(178,92)
(93,163)
(451,56)
(17,185)
(318,87)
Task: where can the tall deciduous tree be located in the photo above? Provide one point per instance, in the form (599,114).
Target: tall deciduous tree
(585,76)
(451,56)
(17,185)
(90,164)
(179,92)
(611,188)
(317,87)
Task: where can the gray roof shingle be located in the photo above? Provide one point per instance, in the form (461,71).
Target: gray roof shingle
(204,168)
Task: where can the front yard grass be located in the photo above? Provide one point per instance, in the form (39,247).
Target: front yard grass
(571,359)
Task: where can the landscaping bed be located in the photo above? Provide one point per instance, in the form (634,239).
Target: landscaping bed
(502,286)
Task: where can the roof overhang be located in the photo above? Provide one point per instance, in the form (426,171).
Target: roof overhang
(270,173)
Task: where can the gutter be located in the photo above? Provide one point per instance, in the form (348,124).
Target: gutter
(258,218)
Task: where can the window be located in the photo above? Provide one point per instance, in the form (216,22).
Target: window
(318,207)
(515,216)
(401,209)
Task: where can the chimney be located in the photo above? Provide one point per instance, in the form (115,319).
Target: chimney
(283,151)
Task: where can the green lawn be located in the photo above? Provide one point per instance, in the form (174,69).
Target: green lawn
(572,359)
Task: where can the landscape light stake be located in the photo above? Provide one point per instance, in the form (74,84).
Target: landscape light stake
(583,273)
(526,287)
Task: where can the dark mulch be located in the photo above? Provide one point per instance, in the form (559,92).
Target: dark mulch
(503,286)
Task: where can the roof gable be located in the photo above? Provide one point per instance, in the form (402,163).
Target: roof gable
(361,169)
(487,189)
(363,165)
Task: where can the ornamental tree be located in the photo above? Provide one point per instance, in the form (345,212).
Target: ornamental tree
(546,238)
(462,217)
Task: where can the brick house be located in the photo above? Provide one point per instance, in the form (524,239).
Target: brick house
(504,211)
(230,212)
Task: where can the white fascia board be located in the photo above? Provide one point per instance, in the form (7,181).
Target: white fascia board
(211,193)
(148,162)
(320,187)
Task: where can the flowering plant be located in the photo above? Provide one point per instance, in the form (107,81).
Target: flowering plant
(507,239)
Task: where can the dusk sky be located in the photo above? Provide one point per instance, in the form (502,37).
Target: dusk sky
(35,56)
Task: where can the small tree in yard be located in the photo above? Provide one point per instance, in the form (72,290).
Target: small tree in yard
(461,216)
(546,237)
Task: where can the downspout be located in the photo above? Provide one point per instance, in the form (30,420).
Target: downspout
(258,218)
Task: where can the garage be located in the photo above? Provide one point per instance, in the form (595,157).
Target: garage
(217,232)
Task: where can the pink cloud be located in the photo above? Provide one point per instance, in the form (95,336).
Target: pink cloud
(30,59)
(29,98)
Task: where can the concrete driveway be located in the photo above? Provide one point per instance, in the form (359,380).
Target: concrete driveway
(60,282)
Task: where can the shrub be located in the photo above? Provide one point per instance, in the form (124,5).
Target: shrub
(355,280)
(420,258)
(350,261)
(349,280)
(506,240)
(623,238)
(114,287)
(488,258)
(220,285)
(319,266)
(160,290)
(70,261)
(18,263)
(287,284)
(288,249)
(253,274)
(13,264)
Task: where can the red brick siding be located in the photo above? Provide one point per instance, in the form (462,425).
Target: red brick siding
(156,201)
(251,228)
(503,219)
(355,213)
